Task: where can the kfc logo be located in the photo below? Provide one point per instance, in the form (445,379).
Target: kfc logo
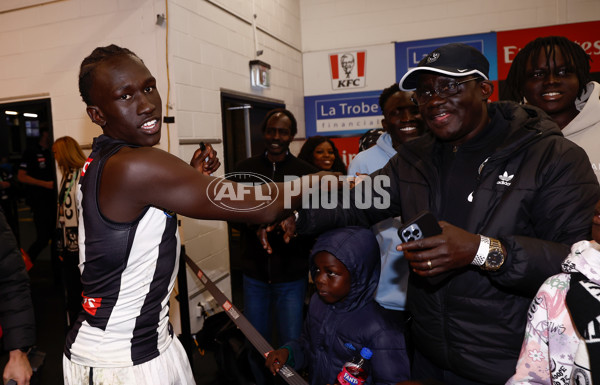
(348,70)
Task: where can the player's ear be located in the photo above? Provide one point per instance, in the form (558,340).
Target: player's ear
(96,115)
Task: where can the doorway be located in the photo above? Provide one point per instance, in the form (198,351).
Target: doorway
(21,124)
(242,138)
(242,120)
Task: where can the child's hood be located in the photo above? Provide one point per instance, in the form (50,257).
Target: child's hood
(357,249)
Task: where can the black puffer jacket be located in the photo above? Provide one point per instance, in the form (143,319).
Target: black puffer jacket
(472,323)
(356,319)
(16,309)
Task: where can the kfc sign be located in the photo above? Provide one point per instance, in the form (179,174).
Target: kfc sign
(348,70)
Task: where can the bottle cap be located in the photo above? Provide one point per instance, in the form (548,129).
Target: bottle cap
(349,346)
(366,353)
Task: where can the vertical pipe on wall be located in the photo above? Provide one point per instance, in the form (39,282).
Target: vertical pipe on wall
(254,29)
(247,130)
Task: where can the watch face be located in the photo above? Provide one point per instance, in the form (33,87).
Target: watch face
(495,259)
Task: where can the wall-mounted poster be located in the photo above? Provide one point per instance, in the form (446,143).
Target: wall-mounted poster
(342,89)
(587,35)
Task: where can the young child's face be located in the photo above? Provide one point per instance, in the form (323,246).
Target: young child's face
(596,223)
(331,277)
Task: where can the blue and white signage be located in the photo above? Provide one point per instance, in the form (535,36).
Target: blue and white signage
(343,114)
(342,89)
(408,54)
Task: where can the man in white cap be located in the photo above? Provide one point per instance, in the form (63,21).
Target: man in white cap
(511,195)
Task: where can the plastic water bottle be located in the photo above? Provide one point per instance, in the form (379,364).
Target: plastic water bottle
(356,371)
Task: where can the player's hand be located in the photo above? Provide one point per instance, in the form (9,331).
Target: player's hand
(205,161)
(453,249)
(276,359)
(17,368)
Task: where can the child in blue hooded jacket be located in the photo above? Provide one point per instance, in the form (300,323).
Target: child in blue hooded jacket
(345,266)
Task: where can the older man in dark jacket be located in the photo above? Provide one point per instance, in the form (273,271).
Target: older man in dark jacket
(17,323)
(512,195)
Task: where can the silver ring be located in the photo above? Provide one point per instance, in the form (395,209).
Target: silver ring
(429,264)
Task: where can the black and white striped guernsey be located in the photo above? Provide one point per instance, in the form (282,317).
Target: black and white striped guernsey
(128,271)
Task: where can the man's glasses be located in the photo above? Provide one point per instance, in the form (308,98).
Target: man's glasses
(445,91)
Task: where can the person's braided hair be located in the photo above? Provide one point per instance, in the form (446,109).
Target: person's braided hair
(88,65)
(575,57)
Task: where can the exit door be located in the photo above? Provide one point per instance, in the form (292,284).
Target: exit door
(242,138)
(242,120)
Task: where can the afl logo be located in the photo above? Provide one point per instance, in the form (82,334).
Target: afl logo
(222,192)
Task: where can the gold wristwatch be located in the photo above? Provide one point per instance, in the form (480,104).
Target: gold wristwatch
(495,258)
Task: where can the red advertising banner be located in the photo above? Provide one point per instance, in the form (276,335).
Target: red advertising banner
(587,35)
(347,147)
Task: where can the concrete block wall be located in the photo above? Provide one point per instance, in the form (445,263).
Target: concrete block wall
(336,24)
(210,45)
(43,46)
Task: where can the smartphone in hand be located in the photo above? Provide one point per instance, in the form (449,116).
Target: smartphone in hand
(423,225)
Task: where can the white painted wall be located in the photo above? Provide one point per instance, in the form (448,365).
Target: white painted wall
(336,24)
(42,48)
